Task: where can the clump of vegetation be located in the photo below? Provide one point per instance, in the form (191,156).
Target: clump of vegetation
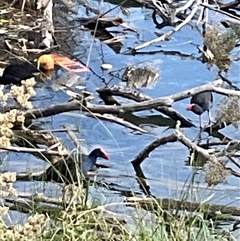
(21,94)
(31,230)
(6,184)
(228,111)
(220,43)
(215,173)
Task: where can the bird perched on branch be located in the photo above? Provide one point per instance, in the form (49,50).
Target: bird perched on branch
(67,170)
(200,103)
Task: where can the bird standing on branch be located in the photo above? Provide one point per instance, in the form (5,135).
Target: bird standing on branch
(200,103)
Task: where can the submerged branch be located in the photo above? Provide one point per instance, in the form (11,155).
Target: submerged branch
(140,97)
(151,147)
(216,171)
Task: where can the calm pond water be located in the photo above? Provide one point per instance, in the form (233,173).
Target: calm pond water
(165,169)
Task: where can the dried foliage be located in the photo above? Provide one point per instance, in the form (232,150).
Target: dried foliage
(140,76)
(22,95)
(215,173)
(220,43)
(228,110)
(6,184)
(30,231)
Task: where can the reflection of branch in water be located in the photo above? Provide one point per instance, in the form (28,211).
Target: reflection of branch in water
(152,120)
(139,97)
(141,180)
(148,149)
(166,53)
(172,31)
(216,171)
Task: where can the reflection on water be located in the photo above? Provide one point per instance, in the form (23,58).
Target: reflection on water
(138,77)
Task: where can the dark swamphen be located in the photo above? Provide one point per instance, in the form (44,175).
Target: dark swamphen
(200,103)
(16,72)
(67,170)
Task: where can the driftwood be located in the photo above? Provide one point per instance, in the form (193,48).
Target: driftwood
(145,105)
(55,150)
(211,156)
(139,97)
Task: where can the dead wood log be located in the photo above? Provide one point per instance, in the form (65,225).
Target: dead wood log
(139,97)
(216,171)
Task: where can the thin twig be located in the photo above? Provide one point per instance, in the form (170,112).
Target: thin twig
(34,150)
(171,32)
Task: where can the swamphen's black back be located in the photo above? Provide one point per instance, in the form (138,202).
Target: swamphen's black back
(16,72)
(203,102)
(67,170)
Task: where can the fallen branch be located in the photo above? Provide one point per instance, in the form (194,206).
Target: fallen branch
(145,105)
(151,147)
(139,97)
(171,32)
(216,171)
(117,120)
(34,150)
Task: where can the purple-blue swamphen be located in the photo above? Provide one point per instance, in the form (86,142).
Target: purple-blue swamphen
(67,170)
(200,103)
